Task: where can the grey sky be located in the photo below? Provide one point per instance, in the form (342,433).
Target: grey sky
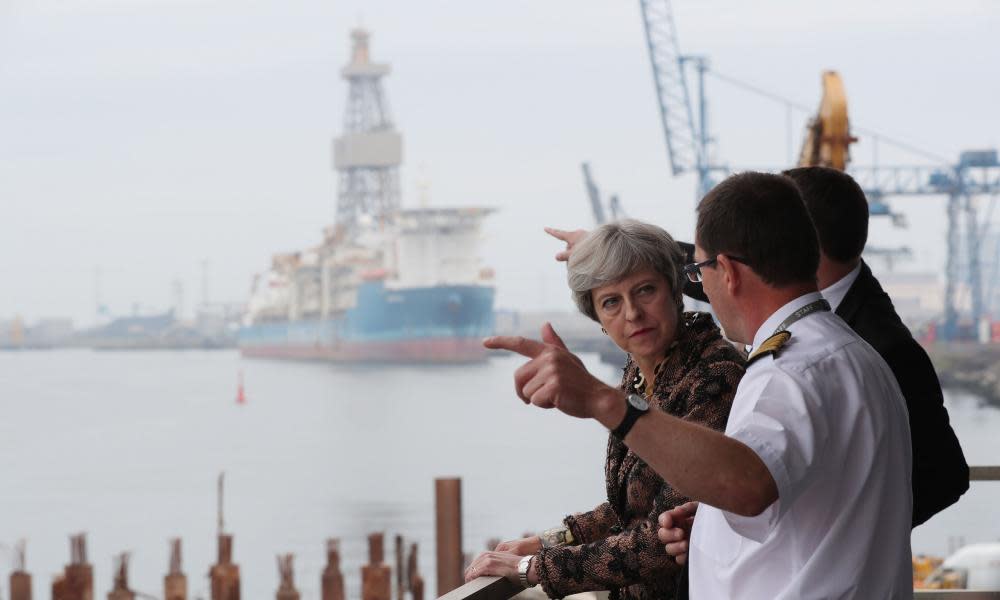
(145,136)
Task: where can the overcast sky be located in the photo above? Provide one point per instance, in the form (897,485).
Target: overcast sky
(142,137)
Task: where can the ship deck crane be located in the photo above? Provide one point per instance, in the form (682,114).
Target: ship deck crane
(689,150)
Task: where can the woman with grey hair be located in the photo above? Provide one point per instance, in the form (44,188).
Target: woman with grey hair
(628,277)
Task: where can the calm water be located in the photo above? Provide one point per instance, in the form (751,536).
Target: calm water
(127,447)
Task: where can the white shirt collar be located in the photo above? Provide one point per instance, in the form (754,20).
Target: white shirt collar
(835,293)
(767,329)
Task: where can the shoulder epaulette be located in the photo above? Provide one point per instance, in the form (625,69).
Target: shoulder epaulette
(771,345)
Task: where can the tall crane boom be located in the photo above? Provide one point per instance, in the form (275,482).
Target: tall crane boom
(594,195)
(672,95)
(828,136)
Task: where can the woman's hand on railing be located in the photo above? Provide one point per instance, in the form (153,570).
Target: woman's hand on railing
(499,564)
(570,237)
(521,547)
(675,530)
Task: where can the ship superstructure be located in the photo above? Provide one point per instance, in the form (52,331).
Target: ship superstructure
(386,283)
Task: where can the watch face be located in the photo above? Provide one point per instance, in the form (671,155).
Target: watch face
(638,401)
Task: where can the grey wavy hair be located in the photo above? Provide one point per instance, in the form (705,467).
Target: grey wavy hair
(614,251)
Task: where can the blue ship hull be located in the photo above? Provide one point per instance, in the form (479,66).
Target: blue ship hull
(433,324)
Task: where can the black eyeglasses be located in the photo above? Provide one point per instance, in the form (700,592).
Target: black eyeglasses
(693,270)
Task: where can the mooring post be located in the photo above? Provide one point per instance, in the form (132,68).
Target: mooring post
(224,574)
(411,565)
(175,582)
(400,573)
(376,576)
(77,580)
(20,580)
(20,586)
(414,581)
(119,588)
(286,589)
(448,505)
(333,580)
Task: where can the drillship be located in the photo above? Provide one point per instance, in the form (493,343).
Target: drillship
(386,284)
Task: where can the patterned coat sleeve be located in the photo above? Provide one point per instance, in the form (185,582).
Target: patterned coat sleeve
(635,555)
(592,525)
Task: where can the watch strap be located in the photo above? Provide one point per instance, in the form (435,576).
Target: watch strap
(632,415)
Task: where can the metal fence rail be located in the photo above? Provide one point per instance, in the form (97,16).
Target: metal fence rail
(955,595)
(499,588)
(984,473)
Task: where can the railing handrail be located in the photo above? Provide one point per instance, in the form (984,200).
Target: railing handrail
(499,588)
(485,588)
(955,595)
(984,473)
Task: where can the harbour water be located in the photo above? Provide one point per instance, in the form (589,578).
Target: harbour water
(127,447)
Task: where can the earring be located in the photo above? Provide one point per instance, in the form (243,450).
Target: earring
(604,331)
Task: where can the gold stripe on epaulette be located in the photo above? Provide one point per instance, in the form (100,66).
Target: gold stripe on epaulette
(770,346)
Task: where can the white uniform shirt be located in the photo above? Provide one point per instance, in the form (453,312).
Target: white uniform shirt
(835,292)
(828,420)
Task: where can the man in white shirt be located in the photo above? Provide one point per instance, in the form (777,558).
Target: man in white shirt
(808,492)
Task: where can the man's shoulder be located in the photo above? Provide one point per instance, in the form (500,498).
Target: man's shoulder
(819,338)
(869,311)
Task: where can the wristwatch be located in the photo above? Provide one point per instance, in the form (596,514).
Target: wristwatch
(522,570)
(635,407)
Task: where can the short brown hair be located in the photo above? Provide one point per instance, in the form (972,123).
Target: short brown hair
(838,208)
(760,217)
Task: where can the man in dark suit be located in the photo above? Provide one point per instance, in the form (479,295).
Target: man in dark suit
(839,211)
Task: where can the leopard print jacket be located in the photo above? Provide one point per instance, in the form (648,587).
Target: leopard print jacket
(617,548)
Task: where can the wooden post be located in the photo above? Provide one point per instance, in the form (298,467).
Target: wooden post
(400,573)
(59,588)
(20,586)
(376,576)
(448,508)
(411,566)
(414,581)
(20,580)
(224,574)
(77,582)
(332,580)
(119,589)
(286,589)
(175,582)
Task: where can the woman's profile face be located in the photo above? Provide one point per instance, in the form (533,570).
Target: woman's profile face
(639,313)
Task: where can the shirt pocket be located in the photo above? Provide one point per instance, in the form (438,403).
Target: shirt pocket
(714,538)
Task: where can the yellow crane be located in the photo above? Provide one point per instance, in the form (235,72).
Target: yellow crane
(828,135)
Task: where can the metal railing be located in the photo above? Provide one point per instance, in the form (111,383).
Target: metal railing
(485,588)
(979,473)
(499,588)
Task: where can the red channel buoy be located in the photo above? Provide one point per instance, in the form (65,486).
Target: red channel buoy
(241,397)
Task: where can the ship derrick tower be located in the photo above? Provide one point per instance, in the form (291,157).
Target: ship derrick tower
(368,153)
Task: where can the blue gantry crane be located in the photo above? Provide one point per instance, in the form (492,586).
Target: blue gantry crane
(690,149)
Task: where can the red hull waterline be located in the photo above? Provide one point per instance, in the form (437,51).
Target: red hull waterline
(410,351)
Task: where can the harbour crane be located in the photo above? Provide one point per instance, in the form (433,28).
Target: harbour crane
(689,149)
(596,203)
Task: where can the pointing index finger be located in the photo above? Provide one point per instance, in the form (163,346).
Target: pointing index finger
(559,234)
(515,343)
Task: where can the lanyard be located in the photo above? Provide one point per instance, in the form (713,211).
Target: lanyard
(814,306)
